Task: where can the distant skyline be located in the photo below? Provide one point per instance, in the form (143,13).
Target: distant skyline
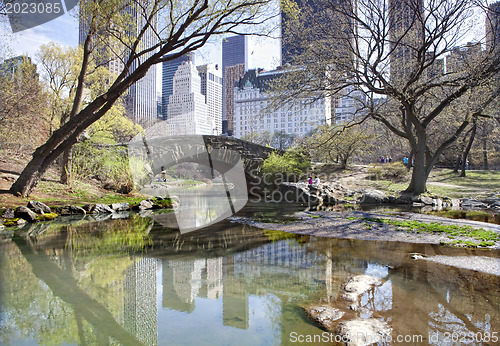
(263,52)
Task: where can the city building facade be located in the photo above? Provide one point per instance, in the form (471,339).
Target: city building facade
(233,75)
(493,27)
(234,65)
(252,113)
(334,28)
(350,104)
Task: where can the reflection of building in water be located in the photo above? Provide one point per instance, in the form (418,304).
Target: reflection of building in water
(282,268)
(184,280)
(172,285)
(214,277)
(234,298)
(140,312)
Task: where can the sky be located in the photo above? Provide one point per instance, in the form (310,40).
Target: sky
(263,52)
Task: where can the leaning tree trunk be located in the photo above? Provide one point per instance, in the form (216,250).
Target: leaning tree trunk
(62,139)
(467,149)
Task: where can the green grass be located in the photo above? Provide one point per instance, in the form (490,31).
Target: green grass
(489,180)
(476,182)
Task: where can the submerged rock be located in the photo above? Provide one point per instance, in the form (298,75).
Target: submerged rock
(360,332)
(361,284)
(325,315)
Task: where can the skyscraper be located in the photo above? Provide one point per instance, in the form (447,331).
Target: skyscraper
(211,87)
(187,112)
(405,35)
(140,99)
(233,75)
(335,27)
(168,71)
(234,53)
(493,26)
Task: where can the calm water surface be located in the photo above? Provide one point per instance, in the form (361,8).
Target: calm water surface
(135,281)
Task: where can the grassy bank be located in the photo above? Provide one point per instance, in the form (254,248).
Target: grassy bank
(441,182)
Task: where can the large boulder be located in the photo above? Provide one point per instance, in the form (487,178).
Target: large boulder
(102,209)
(373,197)
(296,193)
(39,207)
(145,205)
(25,213)
(120,206)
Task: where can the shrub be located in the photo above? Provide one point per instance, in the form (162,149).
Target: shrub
(292,165)
(394,171)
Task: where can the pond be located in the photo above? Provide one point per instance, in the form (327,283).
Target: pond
(135,281)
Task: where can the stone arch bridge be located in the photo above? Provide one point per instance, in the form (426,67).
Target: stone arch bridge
(223,154)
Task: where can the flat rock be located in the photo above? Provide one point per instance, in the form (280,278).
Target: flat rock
(39,207)
(25,213)
(470,203)
(360,332)
(69,210)
(325,315)
(361,284)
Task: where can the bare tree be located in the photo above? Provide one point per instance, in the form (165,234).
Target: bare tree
(178,27)
(397,49)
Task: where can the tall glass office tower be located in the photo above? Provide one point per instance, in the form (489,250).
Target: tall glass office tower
(234,53)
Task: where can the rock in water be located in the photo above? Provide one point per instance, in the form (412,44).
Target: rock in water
(361,332)
(325,315)
(361,283)
(373,197)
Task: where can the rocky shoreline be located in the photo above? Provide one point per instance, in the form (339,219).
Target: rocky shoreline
(330,194)
(365,226)
(36,211)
